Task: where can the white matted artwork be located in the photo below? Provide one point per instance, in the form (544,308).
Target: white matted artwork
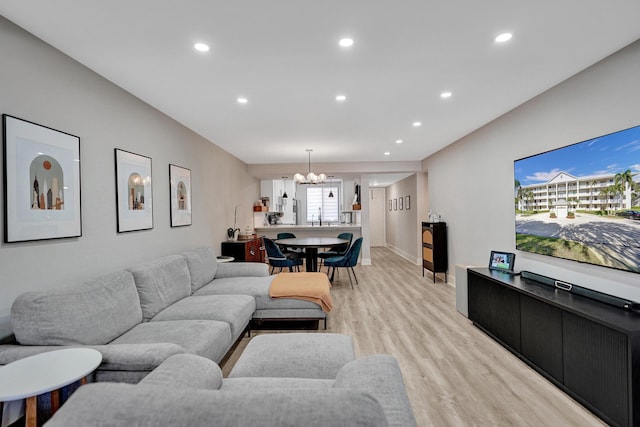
(180,188)
(42,182)
(134,198)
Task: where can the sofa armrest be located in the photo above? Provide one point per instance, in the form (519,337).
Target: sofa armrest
(239,269)
(186,371)
(380,377)
(112,404)
(135,357)
(12,352)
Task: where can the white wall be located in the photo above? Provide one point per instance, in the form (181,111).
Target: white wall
(39,84)
(471,182)
(377,215)
(402,225)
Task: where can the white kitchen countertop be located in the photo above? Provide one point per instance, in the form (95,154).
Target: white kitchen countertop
(309,227)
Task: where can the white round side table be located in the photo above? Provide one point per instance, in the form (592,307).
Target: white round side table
(45,372)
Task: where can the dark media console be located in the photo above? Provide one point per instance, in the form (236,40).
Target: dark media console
(587,347)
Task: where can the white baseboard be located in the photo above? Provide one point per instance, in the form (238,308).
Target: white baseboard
(404,254)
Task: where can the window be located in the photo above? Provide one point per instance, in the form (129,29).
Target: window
(318,201)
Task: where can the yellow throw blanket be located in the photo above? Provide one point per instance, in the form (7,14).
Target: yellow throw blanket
(312,287)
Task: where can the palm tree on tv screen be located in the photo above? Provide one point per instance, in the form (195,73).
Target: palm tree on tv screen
(606,194)
(528,195)
(622,181)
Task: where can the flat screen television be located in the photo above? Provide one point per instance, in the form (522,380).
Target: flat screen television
(582,202)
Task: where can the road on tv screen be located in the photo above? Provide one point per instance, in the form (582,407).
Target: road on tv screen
(612,242)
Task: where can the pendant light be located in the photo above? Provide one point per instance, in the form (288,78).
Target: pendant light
(284,183)
(311,177)
(330,189)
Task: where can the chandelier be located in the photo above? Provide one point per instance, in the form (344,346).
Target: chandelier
(311,177)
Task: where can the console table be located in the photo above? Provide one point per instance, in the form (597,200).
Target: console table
(251,250)
(45,372)
(589,349)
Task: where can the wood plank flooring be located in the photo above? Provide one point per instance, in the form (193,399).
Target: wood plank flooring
(455,374)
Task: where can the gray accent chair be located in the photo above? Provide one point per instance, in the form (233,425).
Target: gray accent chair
(188,390)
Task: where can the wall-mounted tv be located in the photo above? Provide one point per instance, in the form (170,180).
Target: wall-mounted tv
(582,202)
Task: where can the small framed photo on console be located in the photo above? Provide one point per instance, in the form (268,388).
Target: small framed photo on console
(502,261)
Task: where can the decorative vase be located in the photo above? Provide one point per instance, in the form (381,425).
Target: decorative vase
(232,234)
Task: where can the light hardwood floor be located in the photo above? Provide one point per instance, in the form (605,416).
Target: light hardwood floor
(455,374)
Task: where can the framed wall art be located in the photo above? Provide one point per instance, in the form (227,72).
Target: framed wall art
(407,202)
(390,205)
(400,202)
(180,195)
(134,198)
(41,182)
(395,204)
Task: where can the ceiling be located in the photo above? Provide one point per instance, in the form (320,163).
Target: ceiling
(283,57)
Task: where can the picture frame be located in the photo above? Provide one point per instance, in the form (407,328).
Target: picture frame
(407,202)
(180,195)
(390,205)
(502,261)
(400,203)
(134,192)
(395,204)
(41,182)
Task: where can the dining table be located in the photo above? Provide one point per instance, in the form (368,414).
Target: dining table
(311,246)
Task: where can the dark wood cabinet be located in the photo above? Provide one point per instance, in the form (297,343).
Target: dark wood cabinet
(541,336)
(434,248)
(245,250)
(598,368)
(499,309)
(589,349)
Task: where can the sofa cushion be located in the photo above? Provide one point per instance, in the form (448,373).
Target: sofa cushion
(206,338)
(296,355)
(242,269)
(202,264)
(268,384)
(160,283)
(257,287)
(186,371)
(89,313)
(236,310)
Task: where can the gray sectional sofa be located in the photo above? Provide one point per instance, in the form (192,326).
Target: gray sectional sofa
(137,318)
(292,386)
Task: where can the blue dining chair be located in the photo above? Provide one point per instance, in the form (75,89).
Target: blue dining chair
(337,250)
(348,261)
(278,259)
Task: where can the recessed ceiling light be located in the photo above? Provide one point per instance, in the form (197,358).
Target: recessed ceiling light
(417,124)
(242,100)
(346,42)
(398,141)
(445,95)
(201,47)
(504,37)
(341,98)
(386,153)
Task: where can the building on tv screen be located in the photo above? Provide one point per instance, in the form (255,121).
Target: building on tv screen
(582,202)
